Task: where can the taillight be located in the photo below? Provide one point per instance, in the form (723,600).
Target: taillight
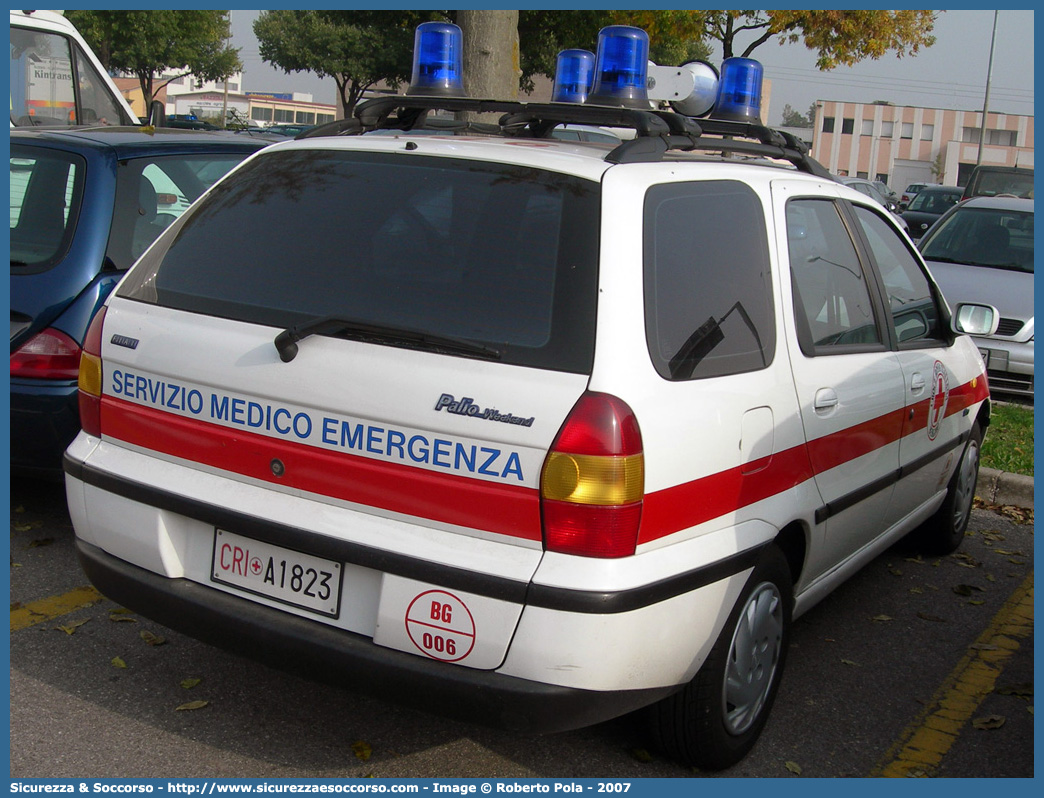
(593,481)
(49,355)
(90,377)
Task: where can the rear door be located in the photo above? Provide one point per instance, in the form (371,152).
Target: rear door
(849,384)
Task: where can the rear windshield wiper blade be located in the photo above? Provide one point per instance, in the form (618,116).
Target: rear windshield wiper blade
(286,341)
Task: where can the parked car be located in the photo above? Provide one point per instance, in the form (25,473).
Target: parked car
(84,205)
(910,192)
(929,204)
(287,130)
(870,189)
(994,181)
(529,431)
(982,251)
(887,192)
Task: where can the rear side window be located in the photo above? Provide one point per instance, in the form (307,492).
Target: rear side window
(708,291)
(500,255)
(46,193)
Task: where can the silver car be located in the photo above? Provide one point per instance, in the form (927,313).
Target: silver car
(982,251)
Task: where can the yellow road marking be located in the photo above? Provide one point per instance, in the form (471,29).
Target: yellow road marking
(926,741)
(45,609)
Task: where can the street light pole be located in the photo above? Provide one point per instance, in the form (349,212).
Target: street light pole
(986,100)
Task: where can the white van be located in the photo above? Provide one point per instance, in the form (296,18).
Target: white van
(56,80)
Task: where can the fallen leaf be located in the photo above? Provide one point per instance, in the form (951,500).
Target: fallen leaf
(641,755)
(915,559)
(989,722)
(35,544)
(118,662)
(72,627)
(924,616)
(794,768)
(984,647)
(991,578)
(152,639)
(977,602)
(882,618)
(19,509)
(894,571)
(192,705)
(1009,553)
(849,662)
(916,590)
(22,527)
(362,750)
(966,590)
(192,681)
(122,618)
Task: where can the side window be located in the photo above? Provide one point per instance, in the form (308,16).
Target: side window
(708,292)
(832,302)
(915,312)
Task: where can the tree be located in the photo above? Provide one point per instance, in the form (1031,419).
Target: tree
(792,118)
(840,38)
(147,44)
(358,49)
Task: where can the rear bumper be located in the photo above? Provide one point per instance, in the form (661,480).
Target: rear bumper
(45,418)
(322,653)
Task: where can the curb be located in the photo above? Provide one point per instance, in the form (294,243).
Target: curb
(1001,487)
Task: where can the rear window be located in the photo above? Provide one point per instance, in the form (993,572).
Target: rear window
(708,289)
(501,255)
(46,194)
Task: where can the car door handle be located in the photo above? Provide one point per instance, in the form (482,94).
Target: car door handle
(917,383)
(825,401)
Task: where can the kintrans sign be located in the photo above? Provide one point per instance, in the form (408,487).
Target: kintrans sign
(55,78)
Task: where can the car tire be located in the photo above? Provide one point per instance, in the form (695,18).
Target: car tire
(944,531)
(717,717)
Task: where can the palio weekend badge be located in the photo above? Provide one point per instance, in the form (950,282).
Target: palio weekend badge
(467,407)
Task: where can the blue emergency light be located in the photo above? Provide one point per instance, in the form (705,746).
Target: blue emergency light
(437,61)
(574,76)
(739,91)
(621,68)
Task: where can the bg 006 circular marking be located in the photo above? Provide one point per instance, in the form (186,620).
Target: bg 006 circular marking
(441,626)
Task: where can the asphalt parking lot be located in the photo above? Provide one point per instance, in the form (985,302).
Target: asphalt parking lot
(915,667)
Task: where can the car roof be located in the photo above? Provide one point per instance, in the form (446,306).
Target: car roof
(932,188)
(132,141)
(999,203)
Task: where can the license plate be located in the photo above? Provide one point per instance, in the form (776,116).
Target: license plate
(290,577)
(985,356)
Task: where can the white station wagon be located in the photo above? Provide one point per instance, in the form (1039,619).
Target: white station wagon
(529,431)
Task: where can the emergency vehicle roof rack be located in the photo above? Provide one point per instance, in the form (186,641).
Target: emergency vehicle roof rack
(656,132)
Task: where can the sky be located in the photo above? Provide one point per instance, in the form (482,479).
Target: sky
(951,74)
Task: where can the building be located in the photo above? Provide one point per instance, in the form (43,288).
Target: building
(904,144)
(188,95)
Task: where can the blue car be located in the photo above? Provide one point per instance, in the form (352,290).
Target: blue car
(84,205)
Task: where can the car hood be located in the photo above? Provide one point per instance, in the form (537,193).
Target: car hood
(1009,291)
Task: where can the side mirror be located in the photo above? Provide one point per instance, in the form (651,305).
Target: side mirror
(157,114)
(974,319)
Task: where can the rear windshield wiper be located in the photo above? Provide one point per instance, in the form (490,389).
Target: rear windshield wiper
(286,341)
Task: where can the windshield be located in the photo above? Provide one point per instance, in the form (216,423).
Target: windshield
(987,237)
(498,255)
(54,84)
(934,201)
